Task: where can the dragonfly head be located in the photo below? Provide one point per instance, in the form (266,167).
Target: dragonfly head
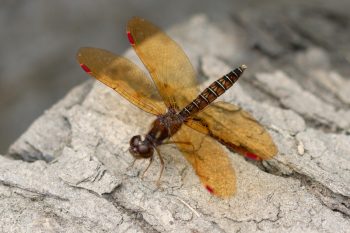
(140,149)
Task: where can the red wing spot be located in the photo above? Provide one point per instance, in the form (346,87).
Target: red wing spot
(252,156)
(85,68)
(210,189)
(131,39)
(244,152)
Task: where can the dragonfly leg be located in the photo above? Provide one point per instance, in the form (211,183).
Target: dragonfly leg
(161,165)
(132,164)
(144,172)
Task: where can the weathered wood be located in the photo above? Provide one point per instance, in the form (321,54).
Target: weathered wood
(291,86)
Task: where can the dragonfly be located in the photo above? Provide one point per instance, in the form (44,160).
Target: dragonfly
(184,116)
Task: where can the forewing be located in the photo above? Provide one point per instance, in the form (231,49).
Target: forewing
(235,128)
(123,76)
(167,63)
(209,160)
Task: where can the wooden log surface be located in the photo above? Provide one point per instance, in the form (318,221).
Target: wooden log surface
(69,172)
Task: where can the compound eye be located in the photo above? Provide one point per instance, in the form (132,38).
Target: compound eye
(145,149)
(134,141)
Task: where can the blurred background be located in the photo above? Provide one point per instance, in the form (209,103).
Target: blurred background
(39,39)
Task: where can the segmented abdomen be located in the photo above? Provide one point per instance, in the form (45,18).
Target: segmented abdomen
(212,92)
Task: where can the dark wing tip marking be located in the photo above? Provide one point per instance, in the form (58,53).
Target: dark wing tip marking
(252,156)
(210,189)
(130,38)
(85,68)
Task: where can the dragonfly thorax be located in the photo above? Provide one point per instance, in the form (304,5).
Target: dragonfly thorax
(164,127)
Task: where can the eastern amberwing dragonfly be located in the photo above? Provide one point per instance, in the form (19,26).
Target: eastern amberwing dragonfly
(184,116)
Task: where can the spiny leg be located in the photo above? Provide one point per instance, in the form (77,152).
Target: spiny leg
(162,166)
(144,172)
(132,164)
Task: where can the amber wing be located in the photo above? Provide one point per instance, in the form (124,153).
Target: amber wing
(235,128)
(123,76)
(168,65)
(209,160)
